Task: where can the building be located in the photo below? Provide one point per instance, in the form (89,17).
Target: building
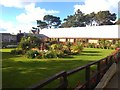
(7,37)
(90,33)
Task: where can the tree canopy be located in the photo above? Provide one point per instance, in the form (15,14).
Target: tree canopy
(79,19)
(41,24)
(105,18)
(52,20)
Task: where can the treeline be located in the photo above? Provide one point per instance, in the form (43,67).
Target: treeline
(79,19)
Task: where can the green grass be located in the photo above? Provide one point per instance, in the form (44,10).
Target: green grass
(20,72)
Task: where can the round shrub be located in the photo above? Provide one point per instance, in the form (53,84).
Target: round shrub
(32,54)
(16,52)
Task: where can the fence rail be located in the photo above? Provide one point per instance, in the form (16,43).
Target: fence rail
(102,66)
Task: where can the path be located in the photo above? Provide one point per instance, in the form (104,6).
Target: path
(114,83)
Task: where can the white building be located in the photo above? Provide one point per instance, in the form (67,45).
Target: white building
(91,33)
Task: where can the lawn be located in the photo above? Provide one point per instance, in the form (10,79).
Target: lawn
(20,72)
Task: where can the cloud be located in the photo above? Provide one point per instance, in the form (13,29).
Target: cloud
(12,3)
(33,13)
(5,26)
(97,5)
(10,27)
(26,20)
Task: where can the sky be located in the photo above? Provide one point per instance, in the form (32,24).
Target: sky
(21,15)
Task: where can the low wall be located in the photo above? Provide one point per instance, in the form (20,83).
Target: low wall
(106,78)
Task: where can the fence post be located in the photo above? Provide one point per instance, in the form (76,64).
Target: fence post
(106,60)
(87,76)
(98,71)
(63,81)
(110,61)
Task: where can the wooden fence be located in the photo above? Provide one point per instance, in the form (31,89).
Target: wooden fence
(90,81)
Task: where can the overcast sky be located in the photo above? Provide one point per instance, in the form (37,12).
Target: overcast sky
(22,15)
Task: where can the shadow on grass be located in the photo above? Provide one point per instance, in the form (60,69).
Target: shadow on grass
(31,72)
(90,54)
(91,51)
(7,55)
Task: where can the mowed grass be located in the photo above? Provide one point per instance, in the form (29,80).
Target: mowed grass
(21,72)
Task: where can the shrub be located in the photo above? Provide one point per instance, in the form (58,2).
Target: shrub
(112,47)
(77,48)
(91,45)
(41,55)
(117,44)
(50,54)
(56,46)
(60,54)
(16,52)
(32,54)
(66,50)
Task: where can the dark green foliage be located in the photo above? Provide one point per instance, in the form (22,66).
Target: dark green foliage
(50,54)
(105,18)
(29,42)
(41,24)
(32,54)
(80,19)
(16,52)
(41,55)
(66,50)
(52,20)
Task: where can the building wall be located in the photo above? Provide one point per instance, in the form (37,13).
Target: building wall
(6,37)
(93,41)
(62,40)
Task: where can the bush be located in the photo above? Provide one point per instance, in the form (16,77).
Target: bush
(17,52)
(77,48)
(60,54)
(66,50)
(41,55)
(91,45)
(50,54)
(32,54)
(56,46)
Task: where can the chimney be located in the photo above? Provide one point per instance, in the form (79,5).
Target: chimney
(38,31)
(19,31)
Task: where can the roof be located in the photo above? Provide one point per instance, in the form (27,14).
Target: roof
(5,33)
(106,31)
(40,35)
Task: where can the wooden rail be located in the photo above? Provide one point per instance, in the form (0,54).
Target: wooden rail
(102,66)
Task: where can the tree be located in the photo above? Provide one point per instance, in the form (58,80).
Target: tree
(90,18)
(76,20)
(41,24)
(52,21)
(105,18)
(28,42)
(79,18)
